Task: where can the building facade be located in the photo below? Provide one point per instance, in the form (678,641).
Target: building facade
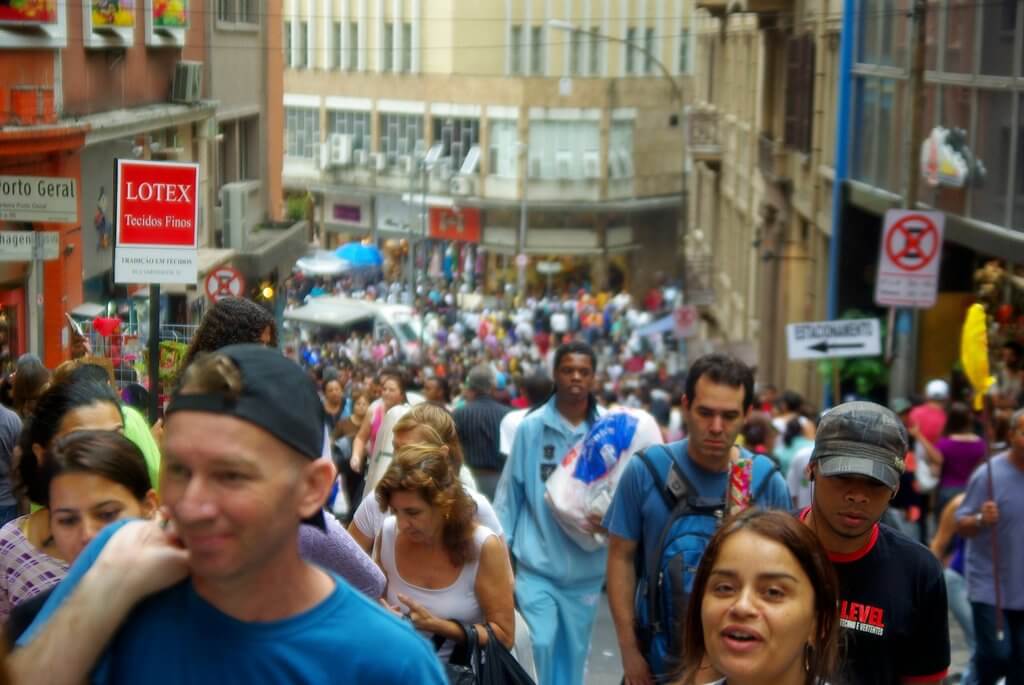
(973,91)
(538,128)
(80,86)
(762,140)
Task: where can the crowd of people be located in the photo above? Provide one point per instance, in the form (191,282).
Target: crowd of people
(285,518)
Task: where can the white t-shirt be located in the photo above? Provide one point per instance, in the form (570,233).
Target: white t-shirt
(507,429)
(796,479)
(369,518)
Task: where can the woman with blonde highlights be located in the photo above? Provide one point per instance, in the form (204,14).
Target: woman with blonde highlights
(444,570)
(426,424)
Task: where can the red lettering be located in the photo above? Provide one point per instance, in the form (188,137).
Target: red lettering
(876,617)
(161,192)
(862,612)
(844,610)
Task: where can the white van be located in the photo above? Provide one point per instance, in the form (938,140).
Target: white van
(334,314)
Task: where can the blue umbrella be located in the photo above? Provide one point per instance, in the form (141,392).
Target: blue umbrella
(360,255)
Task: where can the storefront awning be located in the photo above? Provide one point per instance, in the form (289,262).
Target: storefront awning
(133,121)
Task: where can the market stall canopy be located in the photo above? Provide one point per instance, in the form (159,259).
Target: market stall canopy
(331,311)
(360,255)
(323,263)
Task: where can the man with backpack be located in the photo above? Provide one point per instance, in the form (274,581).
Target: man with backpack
(668,504)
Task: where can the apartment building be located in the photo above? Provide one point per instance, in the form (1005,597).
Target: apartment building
(762,141)
(539,128)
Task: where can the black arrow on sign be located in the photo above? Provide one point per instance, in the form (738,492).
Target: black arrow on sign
(824,346)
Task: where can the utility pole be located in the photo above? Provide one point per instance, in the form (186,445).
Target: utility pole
(901,350)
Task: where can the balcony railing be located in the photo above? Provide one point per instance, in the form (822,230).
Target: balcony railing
(719,8)
(704,139)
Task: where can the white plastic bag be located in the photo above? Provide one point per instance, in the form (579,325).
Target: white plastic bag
(580,490)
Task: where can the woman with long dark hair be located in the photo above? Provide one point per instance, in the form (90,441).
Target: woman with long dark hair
(763,607)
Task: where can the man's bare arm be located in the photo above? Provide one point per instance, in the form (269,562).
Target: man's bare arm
(139,559)
(621,589)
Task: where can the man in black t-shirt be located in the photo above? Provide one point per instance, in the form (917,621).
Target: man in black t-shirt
(892,597)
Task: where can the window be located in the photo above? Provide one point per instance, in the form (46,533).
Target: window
(631,37)
(456,136)
(998,24)
(354,124)
(400,135)
(248,148)
(515,53)
(799,92)
(504,160)
(558,148)
(649,46)
(301,132)
(992,145)
(287,42)
(575,47)
(684,51)
(620,150)
(248,12)
(407,47)
(353,45)
(302,60)
(960,31)
(335,61)
(388,58)
(537,50)
(596,45)
(226,10)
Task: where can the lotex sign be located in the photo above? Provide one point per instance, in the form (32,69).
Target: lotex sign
(157,222)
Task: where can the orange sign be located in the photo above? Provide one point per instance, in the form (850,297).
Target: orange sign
(455,224)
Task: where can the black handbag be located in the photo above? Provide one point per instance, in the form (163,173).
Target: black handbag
(498,666)
(464,673)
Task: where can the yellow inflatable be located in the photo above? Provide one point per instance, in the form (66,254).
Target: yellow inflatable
(974,354)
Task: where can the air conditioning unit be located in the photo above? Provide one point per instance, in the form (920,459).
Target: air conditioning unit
(462,185)
(325,156)
(187,86)
(341,149)
(405,164)
(443,169)
(592,164)
(378,161)
(360,158)
(563,164)
(241,209)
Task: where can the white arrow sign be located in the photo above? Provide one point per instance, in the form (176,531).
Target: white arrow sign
(831,339)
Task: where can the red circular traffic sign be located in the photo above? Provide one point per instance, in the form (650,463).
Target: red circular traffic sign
(224,281)
(912,242)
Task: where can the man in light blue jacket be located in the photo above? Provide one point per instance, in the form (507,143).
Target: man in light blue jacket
(558,584)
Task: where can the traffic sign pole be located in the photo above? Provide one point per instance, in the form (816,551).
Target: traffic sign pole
(154,353)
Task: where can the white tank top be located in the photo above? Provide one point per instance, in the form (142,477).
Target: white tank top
(456,602)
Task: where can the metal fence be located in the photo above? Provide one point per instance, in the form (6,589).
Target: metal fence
(126,348)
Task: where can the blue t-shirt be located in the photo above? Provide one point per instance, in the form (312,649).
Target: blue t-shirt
(176,636)
(1008,481)
(638,507)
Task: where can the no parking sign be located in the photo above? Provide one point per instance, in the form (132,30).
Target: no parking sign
(224,281)
(909,259)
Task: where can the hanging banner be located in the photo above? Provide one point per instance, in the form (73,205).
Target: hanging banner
(117,13)
(28,12)
(170,13)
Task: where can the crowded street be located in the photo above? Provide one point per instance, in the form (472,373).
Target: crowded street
(466,342)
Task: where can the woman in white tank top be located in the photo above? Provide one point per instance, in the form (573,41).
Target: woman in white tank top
(443,568)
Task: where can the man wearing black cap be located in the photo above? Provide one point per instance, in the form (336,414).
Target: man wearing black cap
(227,596)
(892,596)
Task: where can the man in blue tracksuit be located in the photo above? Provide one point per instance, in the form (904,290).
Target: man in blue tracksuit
(558,584)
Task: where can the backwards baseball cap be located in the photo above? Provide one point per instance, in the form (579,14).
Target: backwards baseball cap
(937,389)
(861,439)
(276,395)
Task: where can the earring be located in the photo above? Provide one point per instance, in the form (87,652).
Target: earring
(808,656)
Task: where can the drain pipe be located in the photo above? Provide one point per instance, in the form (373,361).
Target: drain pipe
(842,163)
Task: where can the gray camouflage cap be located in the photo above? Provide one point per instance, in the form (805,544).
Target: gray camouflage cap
(861,439)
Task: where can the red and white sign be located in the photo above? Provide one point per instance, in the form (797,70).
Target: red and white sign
(224,281)
(909,259)
(686,320)
(157,222)
(455,224)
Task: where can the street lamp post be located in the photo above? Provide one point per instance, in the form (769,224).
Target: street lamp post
(677,96)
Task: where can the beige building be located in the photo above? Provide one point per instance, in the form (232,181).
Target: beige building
(762,141)
(493,107)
